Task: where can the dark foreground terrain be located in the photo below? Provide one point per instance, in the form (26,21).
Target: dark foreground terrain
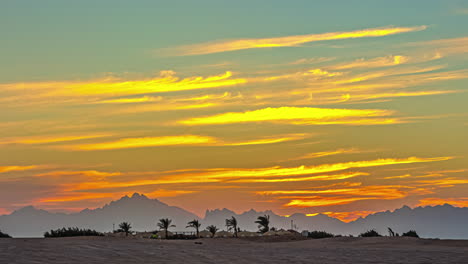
(227,250)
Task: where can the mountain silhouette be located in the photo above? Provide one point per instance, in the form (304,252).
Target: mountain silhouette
(443,221)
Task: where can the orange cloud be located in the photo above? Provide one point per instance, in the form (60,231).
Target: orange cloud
(346,196)
(298,115)
(289,41)
(459,202)
(4,169)
(89,173)
(349,216)
(388,192)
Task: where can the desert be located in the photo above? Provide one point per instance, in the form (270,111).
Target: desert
(231,250)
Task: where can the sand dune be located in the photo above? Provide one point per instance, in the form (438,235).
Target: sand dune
(336,250)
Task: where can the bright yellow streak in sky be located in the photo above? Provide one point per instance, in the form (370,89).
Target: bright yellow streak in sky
(295,115)
(288,41)
(167,82)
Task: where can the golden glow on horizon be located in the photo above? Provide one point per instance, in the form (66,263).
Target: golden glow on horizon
(458,202)
(288,41)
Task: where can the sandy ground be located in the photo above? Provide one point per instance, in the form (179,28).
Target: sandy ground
(224,250)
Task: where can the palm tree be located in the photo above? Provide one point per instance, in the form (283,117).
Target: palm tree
(165,224)
(263,223)
(212,229)
(195,224)
(125,227)
(231,224)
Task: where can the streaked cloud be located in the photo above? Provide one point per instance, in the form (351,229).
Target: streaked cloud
(326,153)
(88,173)
(192,140)
(147,142)
(332,177)
(373,63)
(298,115)
(4,169)
(143,99)
(288,41)
(166,82)
(50,139)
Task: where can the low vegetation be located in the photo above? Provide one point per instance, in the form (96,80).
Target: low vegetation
(319,234)
(3,235)
(370,233)
(410,233)
(72,232)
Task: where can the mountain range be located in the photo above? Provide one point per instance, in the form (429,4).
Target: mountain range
(443,221)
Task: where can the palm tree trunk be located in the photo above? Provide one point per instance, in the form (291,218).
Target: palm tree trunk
(166,232)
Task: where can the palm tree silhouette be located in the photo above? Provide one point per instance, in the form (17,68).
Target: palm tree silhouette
(231,224)
(125,227)
(263,223)
(212,229)
(194,224)
(165,224)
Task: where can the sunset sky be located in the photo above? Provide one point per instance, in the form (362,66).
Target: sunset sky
(338,107)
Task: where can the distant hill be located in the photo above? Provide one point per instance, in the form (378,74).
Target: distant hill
(438,222)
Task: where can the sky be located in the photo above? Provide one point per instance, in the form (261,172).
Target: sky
(338,107)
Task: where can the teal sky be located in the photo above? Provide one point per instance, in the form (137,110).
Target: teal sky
(104,98)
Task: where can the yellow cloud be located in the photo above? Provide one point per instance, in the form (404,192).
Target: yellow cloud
(289,41)
(269,140)
(148,142)
(296,115)
(143,99)
(311,178)
(278,171)
(49,139)
(194,140)
(326,153)
(373,63)
(167,82)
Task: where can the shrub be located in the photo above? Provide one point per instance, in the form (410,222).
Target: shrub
(3,235)
(370,233)
(72,232)
(319,234)
(410,233)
